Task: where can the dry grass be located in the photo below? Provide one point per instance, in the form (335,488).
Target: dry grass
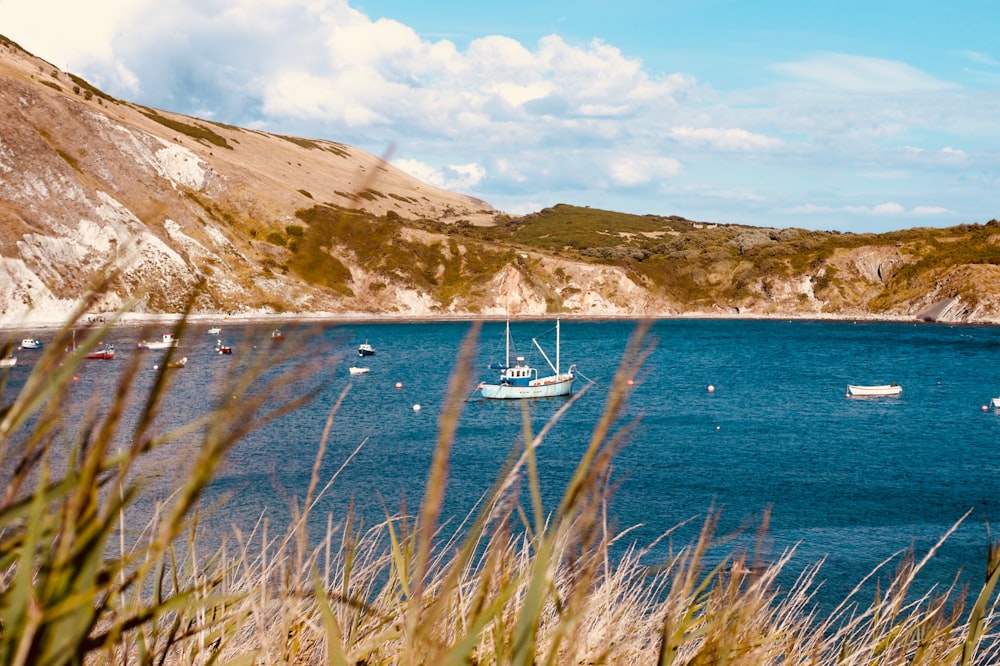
(517,583)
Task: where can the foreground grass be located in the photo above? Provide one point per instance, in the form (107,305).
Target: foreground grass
(519,583)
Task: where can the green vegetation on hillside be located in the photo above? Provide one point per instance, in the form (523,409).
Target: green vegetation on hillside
(699,264)
(386,247)
(196,131)
(694,264)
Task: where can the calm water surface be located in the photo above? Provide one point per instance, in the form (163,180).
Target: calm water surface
(851,481)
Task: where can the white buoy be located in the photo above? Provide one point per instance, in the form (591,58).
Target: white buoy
(416,408)
(984,408)
(399,385)
(711,388)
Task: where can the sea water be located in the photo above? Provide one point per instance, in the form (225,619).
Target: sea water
(851,482)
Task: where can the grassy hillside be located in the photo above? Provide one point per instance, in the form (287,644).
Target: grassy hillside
(693,264)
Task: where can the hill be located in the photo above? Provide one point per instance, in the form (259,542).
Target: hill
(260,223)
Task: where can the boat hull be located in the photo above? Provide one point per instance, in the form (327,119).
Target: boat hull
(156,345)
(854,391)
(548,387)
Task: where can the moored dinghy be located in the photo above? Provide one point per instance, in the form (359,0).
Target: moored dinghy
(166,342)
(856,391)
(522,381)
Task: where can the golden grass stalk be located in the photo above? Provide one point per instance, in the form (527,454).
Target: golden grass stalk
(515,583)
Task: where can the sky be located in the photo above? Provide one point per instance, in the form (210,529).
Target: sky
(845,115)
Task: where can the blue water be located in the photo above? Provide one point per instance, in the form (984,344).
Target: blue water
(852,481)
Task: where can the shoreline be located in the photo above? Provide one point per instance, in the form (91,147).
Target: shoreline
(140,320)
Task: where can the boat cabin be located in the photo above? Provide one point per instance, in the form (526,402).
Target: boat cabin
(519,373)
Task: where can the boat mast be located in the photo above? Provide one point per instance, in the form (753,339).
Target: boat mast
(557,346)
(507,361)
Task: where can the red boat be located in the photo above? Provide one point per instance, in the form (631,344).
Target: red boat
(106,352)
(223,349)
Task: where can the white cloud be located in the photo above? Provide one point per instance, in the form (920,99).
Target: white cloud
(889,208)
(981,58)
(840,71)
(457,177)
(725,139)
(632,171)
(931,211)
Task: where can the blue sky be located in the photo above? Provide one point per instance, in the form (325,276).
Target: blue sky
(851,116)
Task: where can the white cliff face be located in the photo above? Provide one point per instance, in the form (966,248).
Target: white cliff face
(181,167)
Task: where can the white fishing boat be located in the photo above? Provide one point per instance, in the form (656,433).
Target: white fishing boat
(520,380)
(854,391)
(166,342)
(31,343)
(365,349)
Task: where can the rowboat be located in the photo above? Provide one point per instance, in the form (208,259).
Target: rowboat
(358,371)
(520,380)
(8,362)
(854,391)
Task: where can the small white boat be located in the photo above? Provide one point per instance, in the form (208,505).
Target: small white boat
(366,349)
(995,403)
(31,343)
(854,391)
(358,371)
(215,330)
(167,342)
(522,381)
(8,362)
